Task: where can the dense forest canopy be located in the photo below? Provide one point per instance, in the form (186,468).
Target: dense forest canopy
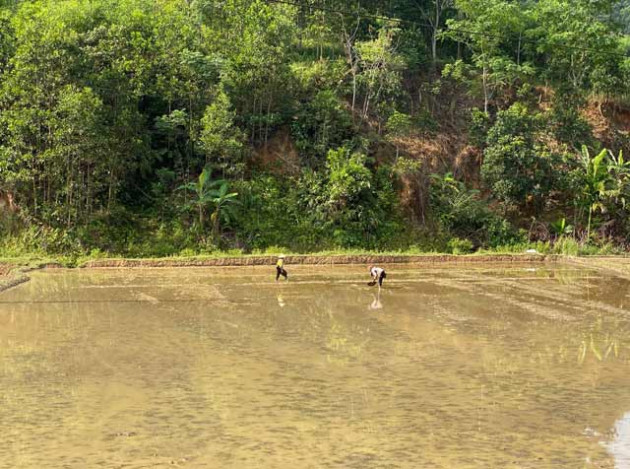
(156,127)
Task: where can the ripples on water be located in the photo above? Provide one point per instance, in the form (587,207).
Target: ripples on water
(487,367)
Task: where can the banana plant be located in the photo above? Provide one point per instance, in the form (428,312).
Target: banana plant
(224,203)
(560,228)
(618,165)
(596,179)
(619,170)
(209,193)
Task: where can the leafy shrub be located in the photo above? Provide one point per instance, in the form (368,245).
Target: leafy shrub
(262,218)
(347,205)
(187,253)
(566,123)
(500,231)
(362,205)
(322,124)
(460,212)
(460,246)
(479,126)
(425,121)
(517,172)
(348,177)
(398,124)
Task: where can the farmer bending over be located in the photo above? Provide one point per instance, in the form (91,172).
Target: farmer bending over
(280,268)
(377,274)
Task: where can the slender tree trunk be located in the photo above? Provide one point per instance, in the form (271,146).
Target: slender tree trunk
(485,88)
(110,195)
(436,28)
(354,89)
(215,225)
(267,119)
(68,191)
(575,218)
(34,186)
(260,122)
(191,138)
(253,122)
(352,61)
(47,190)
(88,196)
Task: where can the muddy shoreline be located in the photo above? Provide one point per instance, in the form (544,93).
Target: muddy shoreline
(316,260)
(14,274)
(11,277)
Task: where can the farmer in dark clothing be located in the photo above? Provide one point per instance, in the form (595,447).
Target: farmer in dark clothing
(377,274)
(280,268)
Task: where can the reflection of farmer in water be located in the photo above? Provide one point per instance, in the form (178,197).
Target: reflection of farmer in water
(281,302)
(376,303)
(280,268)
(377,274)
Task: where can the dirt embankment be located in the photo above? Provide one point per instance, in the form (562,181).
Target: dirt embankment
(4,270)
(10,276)
(317,260)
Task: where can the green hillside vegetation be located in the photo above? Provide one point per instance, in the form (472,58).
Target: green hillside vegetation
(181,127)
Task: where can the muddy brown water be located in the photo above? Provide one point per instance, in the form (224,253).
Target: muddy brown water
(448,367)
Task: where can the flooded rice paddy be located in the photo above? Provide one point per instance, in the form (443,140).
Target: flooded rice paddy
(448,367)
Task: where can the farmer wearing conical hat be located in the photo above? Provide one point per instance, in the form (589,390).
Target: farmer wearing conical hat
(280,268)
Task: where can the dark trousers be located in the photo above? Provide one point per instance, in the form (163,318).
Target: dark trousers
(380,278)
(280,271)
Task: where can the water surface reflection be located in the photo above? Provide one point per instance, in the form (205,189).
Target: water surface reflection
(478,367)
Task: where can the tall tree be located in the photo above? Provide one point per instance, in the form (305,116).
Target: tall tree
(484,26)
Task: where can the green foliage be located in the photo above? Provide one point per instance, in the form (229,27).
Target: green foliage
(460,246)
(107,108)
(343,206)
(211,193)
(567,246)
(576,70)
(262,219)
(567,125)
(380,71)
(459,211)
(603,181)
(399,124)
(479,127)
(219,138)
(482,24)
(321,125)
(348,177)
(515,169)
(560,228)
(362,204)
